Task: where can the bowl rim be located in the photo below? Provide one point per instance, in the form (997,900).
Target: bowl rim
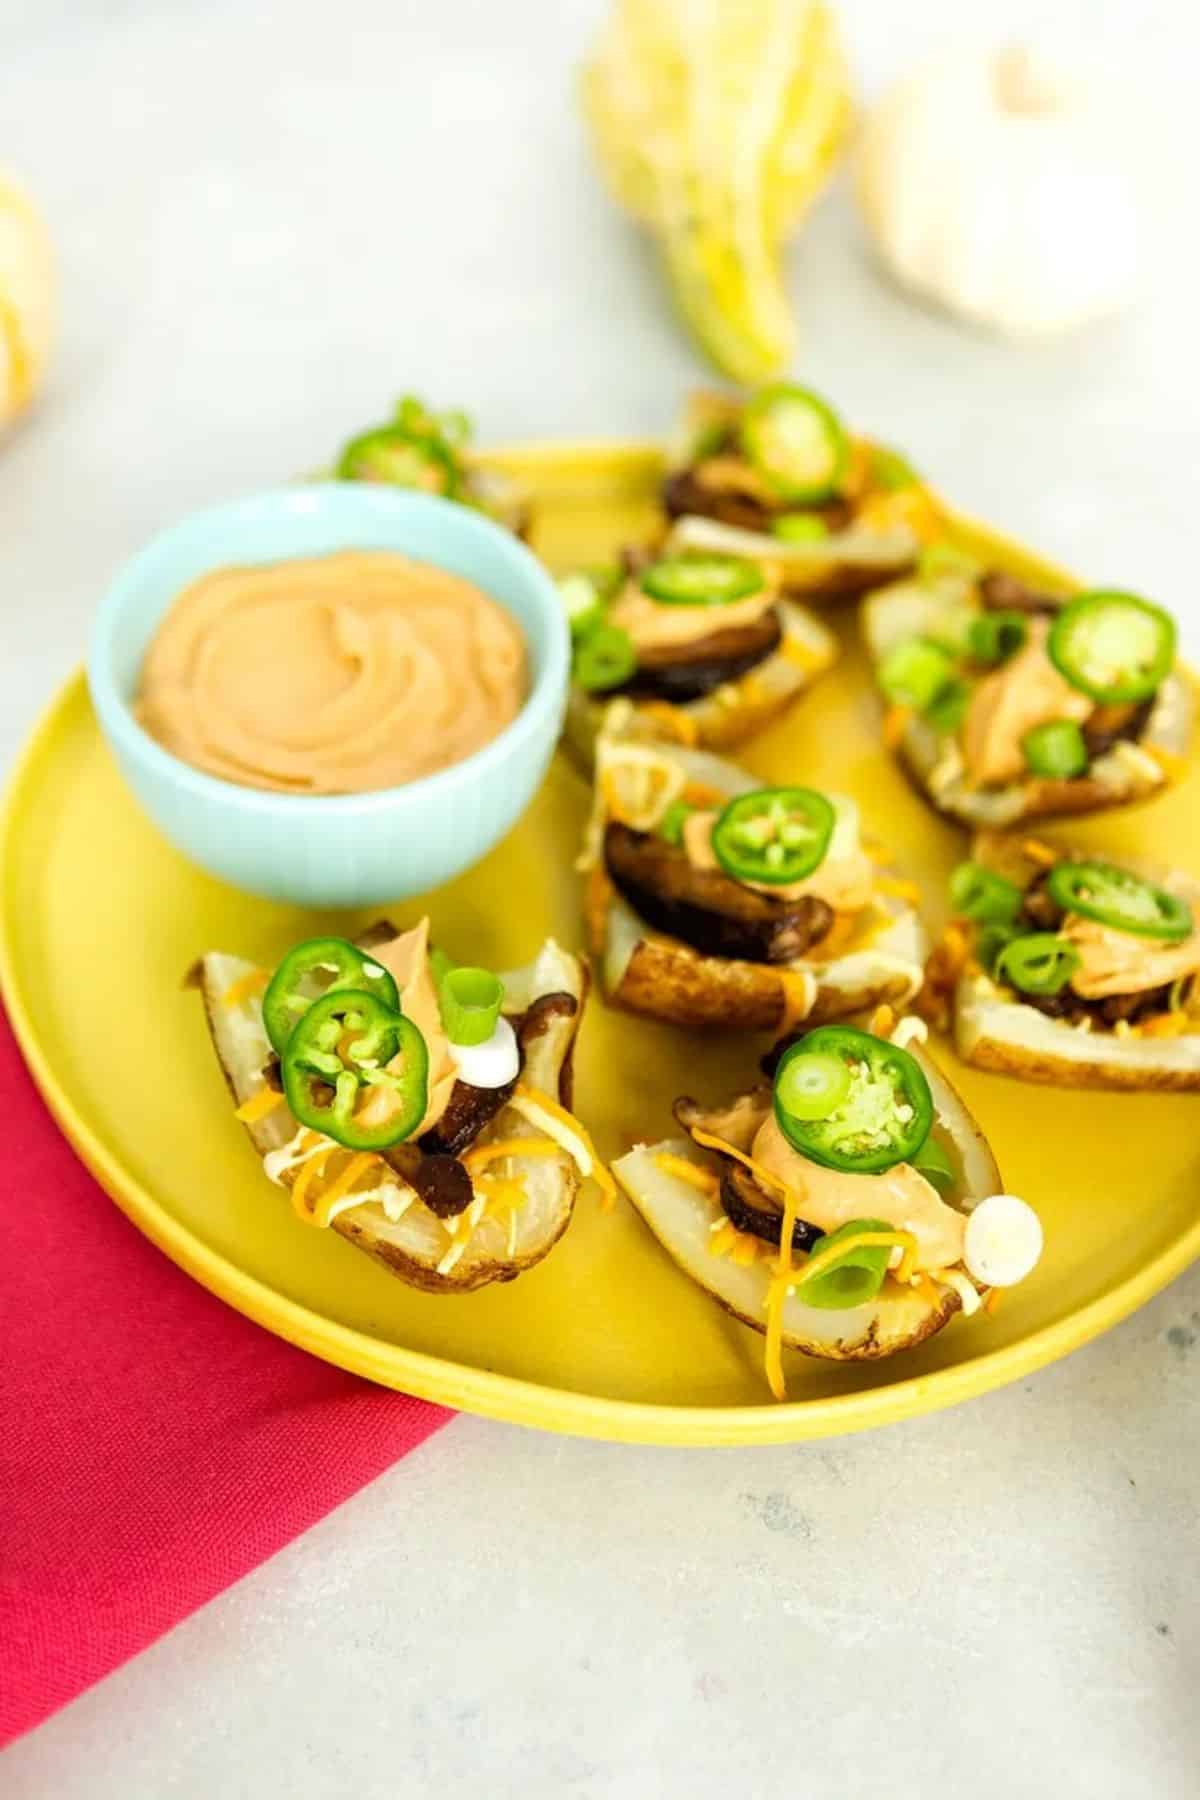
(547,693)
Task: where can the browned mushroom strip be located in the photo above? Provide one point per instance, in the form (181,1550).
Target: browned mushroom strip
(746,1206)
(471,1108)
(1002,592)
(441,1182)
(703,907)
(709,662)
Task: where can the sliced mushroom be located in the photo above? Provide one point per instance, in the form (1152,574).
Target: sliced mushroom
(736,1123)
(704,907)
(441,1182)
(471,1108)
(709,662)
(1002,592)
(746,1206)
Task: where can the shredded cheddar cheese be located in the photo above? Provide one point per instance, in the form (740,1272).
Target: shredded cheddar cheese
(1036,852)
(895,724)
(252,983)
(898,886)
(836,939)
(692,1173)
(325,1205)
(567,1132)
(703,796)
(258,1105)
(595,907)
(483,1154)
(803,656)
(798,992)
(677,723)
(766,1178)
(313,1167)
(882,1020)
(1170,762)
(991,1300)
(777,1293)
(1169,1024)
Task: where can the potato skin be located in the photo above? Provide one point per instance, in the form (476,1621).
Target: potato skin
(361,1230)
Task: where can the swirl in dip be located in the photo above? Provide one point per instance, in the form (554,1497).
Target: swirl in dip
(333,674)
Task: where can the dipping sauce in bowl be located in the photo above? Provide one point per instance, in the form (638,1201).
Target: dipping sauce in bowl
(338,674)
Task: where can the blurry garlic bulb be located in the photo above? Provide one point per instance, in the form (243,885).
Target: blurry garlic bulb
(1001,187)
(27,300)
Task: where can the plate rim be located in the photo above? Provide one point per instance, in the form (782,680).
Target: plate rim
(463,1386)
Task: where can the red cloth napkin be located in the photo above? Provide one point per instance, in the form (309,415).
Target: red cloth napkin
(154,1444)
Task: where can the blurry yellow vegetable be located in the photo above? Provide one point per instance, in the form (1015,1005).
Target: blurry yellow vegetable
(27,288)
(717,122)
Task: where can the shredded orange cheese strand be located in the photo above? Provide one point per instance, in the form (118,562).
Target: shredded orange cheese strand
(992,1300)
(243,987)
(258,1105)
(798,990)
(484,1154)
(882,1021)
(679,724)
(703,795)
(900,887)
(595,907)
(311,1169)
(1037,852)
(845,924)
(1171,1024)
(777,1296)
(803,656)
(692,1173)
(534,1097)
(1170,762)
(358,1165)
(765,1177)
(723,1238)
(895,723)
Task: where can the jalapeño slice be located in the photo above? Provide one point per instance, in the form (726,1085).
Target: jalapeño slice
(346,1046)
(1038,963)
(1113,647)
(702,580)
(882,1120)
(775,835)
(317,967)
(1119,898)
(796,442)
(395,456)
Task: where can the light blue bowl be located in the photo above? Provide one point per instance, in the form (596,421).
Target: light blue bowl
(342,850)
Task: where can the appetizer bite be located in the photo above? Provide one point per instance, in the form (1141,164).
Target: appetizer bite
(847,1206)
(713,900)
(1009,704)
(703,644)
(777,475)
(430,451)
(417,1108)
(1070,967)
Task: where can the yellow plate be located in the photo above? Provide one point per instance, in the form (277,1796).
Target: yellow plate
(100,917)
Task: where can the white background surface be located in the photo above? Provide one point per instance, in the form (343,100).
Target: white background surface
(271,221)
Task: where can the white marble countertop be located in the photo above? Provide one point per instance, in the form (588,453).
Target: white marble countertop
(271,221)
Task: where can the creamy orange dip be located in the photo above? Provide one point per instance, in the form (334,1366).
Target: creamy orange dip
(844,881)
(654,625)
(331,675)
(900,1197)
